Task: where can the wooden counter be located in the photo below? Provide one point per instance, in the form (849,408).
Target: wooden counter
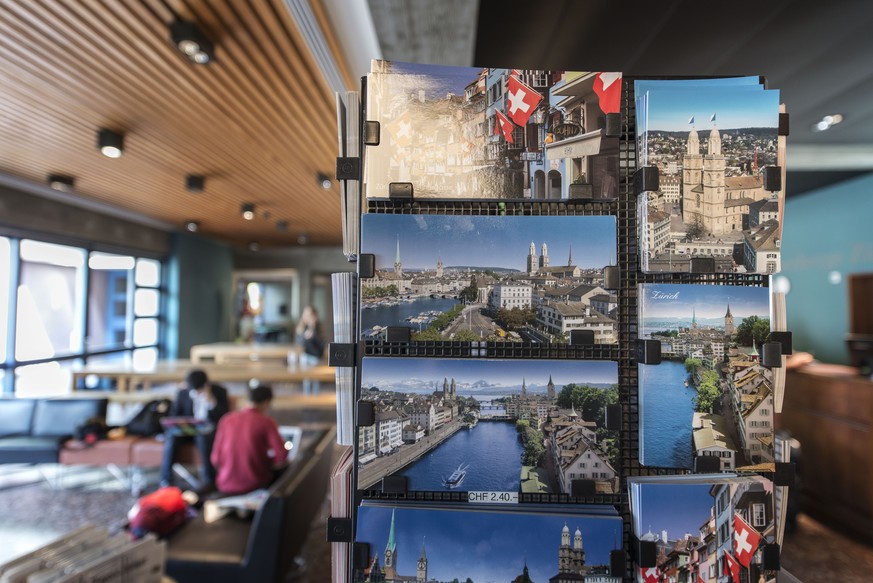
(233,353)
(829,409)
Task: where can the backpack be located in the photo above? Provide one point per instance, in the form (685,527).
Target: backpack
(147,421)
(162,512)
(91,431)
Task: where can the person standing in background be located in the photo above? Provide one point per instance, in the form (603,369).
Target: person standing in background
(311,342)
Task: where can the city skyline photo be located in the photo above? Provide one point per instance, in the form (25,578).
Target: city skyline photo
(743,106)
(487,241)
(659,301)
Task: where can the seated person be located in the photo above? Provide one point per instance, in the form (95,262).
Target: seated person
(248,447)
(203,400)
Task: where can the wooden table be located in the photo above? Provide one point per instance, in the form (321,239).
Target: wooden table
(128,377)
(233,353)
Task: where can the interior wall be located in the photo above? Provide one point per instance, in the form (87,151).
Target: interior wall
(199,302)
(827,236)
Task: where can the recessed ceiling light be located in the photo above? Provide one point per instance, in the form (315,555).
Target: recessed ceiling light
(110,143)
(827,122)
(195,182)
(192,226)
(61,182)
(324,181)
(254,246)
(248,211)
(303,239)
(191,42)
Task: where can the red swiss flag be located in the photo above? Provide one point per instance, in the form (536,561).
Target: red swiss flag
(650,574)
(731,565)
(607,86)
(503,126)
(521,100)
(746,541)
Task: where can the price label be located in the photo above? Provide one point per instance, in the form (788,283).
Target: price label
(493,497)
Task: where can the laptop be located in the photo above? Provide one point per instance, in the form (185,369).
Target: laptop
(186,426)
(292,436)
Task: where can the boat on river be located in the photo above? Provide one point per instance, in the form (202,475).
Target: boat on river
(457,477)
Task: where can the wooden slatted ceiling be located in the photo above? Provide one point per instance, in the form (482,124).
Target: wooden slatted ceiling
(259,121)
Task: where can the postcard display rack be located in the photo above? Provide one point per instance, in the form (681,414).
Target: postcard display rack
(491,448)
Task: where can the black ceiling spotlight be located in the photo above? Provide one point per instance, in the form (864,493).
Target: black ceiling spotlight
(61,182)
(110,143)
(282,226)
(192,226)
(191,42)
(195,182)
(324,180)
(248,211)
(303,239)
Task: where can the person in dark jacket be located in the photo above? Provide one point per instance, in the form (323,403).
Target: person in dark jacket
(203,400)
(310,339)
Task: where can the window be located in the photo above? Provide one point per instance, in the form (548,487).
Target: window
(758,518)
(73,306)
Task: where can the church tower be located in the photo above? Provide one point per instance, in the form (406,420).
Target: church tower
(692,169)
(532,259)
(714,187)
(439,269)
(550,389)
(570,257)
(446,389)
(729,329)
(453,389)
(694,321)
(523,389)
(578,552)
(398,268)
(564,552)
(544,257)
(390,563)
(421,573)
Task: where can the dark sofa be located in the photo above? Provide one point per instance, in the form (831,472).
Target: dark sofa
(32,430)
(262,549)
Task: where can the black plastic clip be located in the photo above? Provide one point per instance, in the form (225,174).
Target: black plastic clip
(783,124)
(581,337)
(400,190)
(703,265)
(617,563)
(612,277)
(784,338)
(707,464)
(366,414)
(648,351)
(360,555)
(398,334)
(341,354)
(646,180)
(613,417)
(773,178)
(613,125)
(771,354)
(394,485)
(366,265)
(645,553)
(770,560)
(371,133)
(582,488)
(339,530)
(784,474)
(348,168)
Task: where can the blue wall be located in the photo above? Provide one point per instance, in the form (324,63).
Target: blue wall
(199,295)
(826,231)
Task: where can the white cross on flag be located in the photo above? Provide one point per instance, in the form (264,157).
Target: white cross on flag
(521,100)
(401,129)
(607,86)
(731,565)
(746,541)
(502,125)
(650,574)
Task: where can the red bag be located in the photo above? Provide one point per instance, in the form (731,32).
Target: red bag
(162,512)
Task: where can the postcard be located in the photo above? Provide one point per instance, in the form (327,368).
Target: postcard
(463,132)
(419,544)
(710,395)
(488,425)
(473,278)
(710,146)
(703,527)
